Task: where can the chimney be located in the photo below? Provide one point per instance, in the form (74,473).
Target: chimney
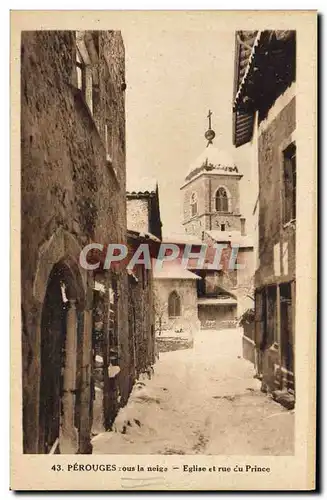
(242,226)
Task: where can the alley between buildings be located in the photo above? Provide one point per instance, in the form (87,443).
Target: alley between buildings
(203,400)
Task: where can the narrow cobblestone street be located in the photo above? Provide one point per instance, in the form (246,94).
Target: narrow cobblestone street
(201,401)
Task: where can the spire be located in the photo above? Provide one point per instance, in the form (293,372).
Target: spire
(210,134)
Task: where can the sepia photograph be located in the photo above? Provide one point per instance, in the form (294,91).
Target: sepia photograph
(158,238)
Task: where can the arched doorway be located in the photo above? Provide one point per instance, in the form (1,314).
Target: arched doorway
(221,200)
(60,328)
(174,305)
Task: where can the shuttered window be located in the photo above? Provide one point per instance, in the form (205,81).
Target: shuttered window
(174,305)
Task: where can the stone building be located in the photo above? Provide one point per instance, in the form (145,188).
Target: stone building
(212,213)
(72,194)
(174,288)
(175,306)
(265,115)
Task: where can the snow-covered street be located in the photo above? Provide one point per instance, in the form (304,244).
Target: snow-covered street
(201,401)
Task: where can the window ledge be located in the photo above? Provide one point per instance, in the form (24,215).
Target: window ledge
(291,223)
(79,95)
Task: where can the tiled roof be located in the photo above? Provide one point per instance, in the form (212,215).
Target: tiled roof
(243,122)
(234,237)
(208,301)
(247,42)
(182,239)
(264,68)
(173,271)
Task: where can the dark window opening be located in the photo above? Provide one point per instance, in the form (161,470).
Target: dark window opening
(289,180)
(174,305)
(80,71)
(194,205)
(221,200)
(108,141)
(271,326)
(222,227)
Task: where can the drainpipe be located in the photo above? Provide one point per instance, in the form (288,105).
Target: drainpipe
(69,437)
(210,223)
(279,340)
(242,226)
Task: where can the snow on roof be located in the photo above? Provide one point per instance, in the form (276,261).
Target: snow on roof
(234,237)
(99,287)
(173,271)
(141,185)
(132,233)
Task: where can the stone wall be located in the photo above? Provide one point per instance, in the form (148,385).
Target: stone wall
(276,243)
(188,323)
(277,265)
(202,186)
(70,194)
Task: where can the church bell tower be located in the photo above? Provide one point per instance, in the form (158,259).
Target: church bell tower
(211,194)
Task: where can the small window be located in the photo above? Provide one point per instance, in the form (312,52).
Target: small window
(96,99)
(174,305)
(84,78)
(289,181)
(194,204)
(221,200)
(286,326)
(271,326)
(222,227)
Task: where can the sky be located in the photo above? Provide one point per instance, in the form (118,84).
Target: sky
(173,78)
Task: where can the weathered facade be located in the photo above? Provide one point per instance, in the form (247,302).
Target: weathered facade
(72,194)
(264,108)
(144,227)
(211,195)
